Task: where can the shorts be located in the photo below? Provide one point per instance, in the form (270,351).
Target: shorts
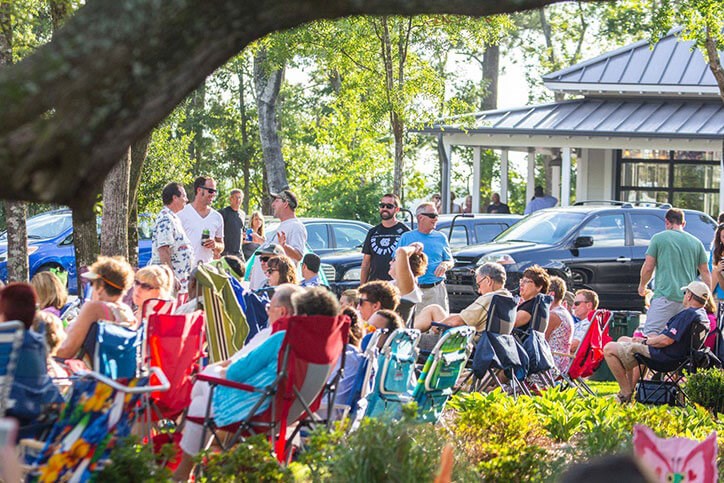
(626,352)
(658,315)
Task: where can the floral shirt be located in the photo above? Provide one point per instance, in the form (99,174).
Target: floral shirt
(561,338)
(168,232)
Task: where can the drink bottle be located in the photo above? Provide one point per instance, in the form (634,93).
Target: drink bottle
(205,235)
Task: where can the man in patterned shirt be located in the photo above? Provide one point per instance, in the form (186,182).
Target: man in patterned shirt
(169,244)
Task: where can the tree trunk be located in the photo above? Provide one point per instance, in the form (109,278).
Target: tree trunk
(85,240)
(59,10)
(114,229)
(267,82)
(491,71)
(196,113)
(246,161)
(139,150)
(712,58)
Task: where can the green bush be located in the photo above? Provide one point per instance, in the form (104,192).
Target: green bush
(132,462)
(707,388)
(250,460)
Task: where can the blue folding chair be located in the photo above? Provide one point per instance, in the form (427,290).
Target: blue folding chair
(114,350)
(532,338)
(11,338)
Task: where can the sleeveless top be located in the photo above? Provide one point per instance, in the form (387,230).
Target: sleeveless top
(561,338)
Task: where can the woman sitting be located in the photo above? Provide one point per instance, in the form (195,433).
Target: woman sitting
(32,390)
(52,295)
(152,282)
(110,277)
(559,333)
(535,280)
(281,269)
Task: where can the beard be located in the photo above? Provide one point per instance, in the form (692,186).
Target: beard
(386,215)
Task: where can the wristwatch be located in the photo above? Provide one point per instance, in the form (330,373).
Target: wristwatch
(646,341)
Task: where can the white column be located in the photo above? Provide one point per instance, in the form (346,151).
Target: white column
(504,176)
(565,198)
(530,189)
(476,180)
(721,178)
(556,183)
(582,175)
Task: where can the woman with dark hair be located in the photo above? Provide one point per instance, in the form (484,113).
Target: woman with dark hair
(32,389)
(111,278)
(281,269)
(535,280)
(716,263)
(408,263)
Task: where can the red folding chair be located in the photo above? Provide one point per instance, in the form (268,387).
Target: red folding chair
(589,354)
(308,355)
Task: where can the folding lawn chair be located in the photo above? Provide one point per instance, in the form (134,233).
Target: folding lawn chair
(309,352)
(441,372)
(667,388)
(395,378)
(226,326)
(99,413)
(114,350)
(498,350)
(11,338)
(540,357)
(364,381)
(589,355)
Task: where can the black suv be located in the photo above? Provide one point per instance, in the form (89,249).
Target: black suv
(590,245)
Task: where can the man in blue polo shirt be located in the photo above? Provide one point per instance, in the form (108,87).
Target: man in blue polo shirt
(439,257)
(672,345)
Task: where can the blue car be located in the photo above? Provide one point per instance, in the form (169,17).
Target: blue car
(50,245)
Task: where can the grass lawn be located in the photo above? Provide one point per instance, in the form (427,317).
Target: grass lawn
(604,388)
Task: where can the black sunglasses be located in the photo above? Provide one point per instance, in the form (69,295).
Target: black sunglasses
(264,259)
(432,216)
(210,190)
(389,206)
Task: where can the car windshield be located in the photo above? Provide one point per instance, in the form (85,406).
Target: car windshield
(545,227)
(49,225)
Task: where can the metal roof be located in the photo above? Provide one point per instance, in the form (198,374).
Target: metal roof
(672,66)
(648,117)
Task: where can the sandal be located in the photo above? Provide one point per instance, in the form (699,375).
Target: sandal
(623,398)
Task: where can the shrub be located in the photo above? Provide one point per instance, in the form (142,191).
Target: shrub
(250,460)
(707,388)
(132,462)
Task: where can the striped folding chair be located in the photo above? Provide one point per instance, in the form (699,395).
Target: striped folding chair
(11,338)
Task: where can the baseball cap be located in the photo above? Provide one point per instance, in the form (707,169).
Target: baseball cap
(286,195)
(699,289)
(111,278)
(272,249)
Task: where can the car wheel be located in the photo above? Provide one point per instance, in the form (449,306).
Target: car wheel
(579,279)
(57,269)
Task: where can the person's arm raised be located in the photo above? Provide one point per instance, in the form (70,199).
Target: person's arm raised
(404,277)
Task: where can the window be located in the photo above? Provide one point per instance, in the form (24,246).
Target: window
(701,227)
(348,236)
(459,236)
(485,232)
(644,227)
(317,237)
(606,230)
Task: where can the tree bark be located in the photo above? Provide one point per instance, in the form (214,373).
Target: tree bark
(85,240)
(114,229)
(714,62)
(246,161)
(139,150)
(132,62)
(267,82)
(491,71)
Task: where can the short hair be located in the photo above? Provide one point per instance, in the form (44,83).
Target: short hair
(418,263)
(169,191)
(394,196)
(159,276)
(287,270)
(558,287)
(383,292)
(315,301)
(494,270)
(569,297)
(17,302)
(235,191)
(539,191)
(114,273)
(622,468)
(236,265)
(675,216)
(283,295)
(355,326)
(50,290)
(201,181)
(352,294)
(312,261)
(394,322)
(54,333)
(421,207)
(590,296)
(539,276)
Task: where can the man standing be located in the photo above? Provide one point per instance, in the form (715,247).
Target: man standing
(676,256)
(381,241)
(496,206)
(233,224)
(169,243)
(204,225)
(439,257)
(291,234)
(540,201)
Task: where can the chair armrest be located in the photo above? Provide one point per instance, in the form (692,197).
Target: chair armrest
(562,354)
(217,381)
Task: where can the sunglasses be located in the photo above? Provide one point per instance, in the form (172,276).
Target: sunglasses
(432,216)
(388,206)
(578,302)
(210,190)
(144,285)
(264,259)
(361,301)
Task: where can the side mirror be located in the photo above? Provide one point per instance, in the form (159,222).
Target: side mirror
(583,242)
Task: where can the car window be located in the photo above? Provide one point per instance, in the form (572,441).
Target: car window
(348,236)
(485,232)
(645,226)
(145,228)
(546,227)
(701,226)
(459,236)
(606,230)
(317,237)
(49,225)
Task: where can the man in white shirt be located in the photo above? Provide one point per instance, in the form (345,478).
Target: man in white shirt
(198,216)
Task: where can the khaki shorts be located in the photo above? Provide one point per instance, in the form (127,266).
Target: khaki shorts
(626,351)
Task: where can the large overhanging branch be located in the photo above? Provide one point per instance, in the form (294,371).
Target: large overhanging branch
(118,67)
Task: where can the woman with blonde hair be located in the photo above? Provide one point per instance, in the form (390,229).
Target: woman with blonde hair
(152,282)
(111,278)
(52,295)
(252,241)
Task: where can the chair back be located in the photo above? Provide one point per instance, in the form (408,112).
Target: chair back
(226,326)
(406,309)
(11,338)
(541,312)
(501,314)
(114,350)
(589,354)
(441,372)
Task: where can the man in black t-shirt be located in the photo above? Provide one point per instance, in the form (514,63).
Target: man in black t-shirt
(381,241)
(496,206)
(233,224)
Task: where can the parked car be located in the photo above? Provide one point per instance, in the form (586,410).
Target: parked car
(50,244)
(600,247)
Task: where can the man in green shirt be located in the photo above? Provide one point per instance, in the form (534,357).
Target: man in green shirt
(678,258)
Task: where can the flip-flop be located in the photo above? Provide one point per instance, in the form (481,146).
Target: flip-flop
(622,398)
